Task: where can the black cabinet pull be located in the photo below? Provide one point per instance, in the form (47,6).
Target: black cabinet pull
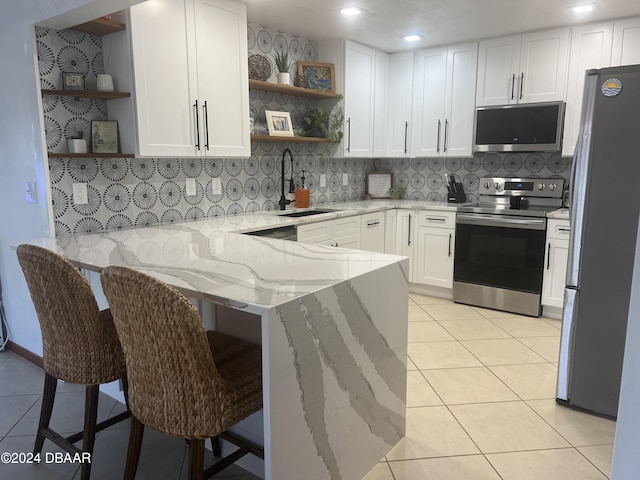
(439,127)
(373,224)
(446,125)
(406,129)
(549,256)
(450,237)
(513,86)
(195,109)
(206,125)
(349,134)
(521,85)
(409,232)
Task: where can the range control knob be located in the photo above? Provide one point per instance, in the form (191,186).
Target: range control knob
(498,186)
(552,186)
(487,185)
(541,186)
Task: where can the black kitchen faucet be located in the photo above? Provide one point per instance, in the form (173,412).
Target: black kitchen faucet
(283,200)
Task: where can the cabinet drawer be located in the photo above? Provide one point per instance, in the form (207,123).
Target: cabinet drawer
(438,219)
(559,229)
(346,226)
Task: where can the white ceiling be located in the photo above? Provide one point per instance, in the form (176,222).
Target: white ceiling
(440,22)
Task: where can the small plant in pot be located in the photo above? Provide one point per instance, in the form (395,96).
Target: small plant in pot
(318,122)
(283,64)
(77,143)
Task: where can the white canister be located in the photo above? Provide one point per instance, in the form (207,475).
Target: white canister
(105,83)
(284,78)
(77,145)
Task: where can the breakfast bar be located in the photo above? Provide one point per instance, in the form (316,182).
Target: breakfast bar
(334,350)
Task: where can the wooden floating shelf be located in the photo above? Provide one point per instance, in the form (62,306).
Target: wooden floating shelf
(270,138)
(87,94)
(289,90)
(99,26)
(91,155)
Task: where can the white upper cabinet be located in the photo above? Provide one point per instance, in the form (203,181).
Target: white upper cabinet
(590,48)
(399,110)
(381,88)
(523,68)
(443,100)
(626,42)
(190,78)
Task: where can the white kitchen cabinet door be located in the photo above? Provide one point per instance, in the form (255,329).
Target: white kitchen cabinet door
(523,68)
(194,110)
(359,98)
(390,231)
(498,62)
(590,48)
(400,99)
(405,236)
(554,277)
(380,107)
(166,116)
(462,62)
(430,73)
(544,61)
(626,42)
(373,232)
(433,257)
(223,79)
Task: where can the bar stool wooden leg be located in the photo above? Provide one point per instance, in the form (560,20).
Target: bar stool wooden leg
(135,446)
(49,394)
(89,432)
(196,459)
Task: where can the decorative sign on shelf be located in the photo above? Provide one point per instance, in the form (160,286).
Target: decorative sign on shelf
(378,184)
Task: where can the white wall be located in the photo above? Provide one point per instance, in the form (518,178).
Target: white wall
(22,153)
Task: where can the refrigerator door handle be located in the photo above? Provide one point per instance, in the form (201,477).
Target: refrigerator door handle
(579,181)
(566,344)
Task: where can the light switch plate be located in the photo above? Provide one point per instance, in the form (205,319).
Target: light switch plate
(323,180)
(345,179)
(80,196)
(191,187)
(216,186)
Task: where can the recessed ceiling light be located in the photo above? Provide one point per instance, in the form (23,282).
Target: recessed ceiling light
(583,8)
(412,38)
(351,11)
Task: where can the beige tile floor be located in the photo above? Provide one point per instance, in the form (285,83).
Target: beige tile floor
(481,402)
(481,406)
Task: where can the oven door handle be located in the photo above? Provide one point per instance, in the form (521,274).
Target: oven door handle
(489,220)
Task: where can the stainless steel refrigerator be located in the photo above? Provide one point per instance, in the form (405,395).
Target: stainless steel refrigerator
(605,204)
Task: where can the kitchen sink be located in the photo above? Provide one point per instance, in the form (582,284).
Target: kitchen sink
(305,213)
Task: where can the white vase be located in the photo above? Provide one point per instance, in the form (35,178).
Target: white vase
(105,83)
(77,145)
(284,78)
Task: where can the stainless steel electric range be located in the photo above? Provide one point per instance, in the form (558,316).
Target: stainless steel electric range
(500,244)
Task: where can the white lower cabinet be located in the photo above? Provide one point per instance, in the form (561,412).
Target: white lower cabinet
(373,232)
(341,232)
(405,236)
(553,281)
(390,231)
(434,246)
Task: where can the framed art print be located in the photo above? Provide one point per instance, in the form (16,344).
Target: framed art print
(320,76)
(104,136)
(72,81)
(279,123)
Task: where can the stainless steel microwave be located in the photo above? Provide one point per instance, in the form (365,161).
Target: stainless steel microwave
(529,127)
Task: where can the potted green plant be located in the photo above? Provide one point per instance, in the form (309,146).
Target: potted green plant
(77,143)
(283,65)
(318,122)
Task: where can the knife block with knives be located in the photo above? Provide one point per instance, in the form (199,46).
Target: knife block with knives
(455,190)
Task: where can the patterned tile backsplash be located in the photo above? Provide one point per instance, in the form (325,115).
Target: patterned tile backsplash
(148,191)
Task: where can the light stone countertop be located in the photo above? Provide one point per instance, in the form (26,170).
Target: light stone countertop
(560,214)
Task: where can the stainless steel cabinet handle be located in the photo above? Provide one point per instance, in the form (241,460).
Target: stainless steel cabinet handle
(438,144)
(349,134)
(450,237)
(549,256)
(195,109)
(446,125)
(513,86)
(406,129)
(206,125)
(521,85)
(372,224)
(409,232)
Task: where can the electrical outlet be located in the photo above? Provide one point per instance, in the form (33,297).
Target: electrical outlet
(191,187)
(30,192)
(345,179)
(216,186)
(80,196)
(323,180)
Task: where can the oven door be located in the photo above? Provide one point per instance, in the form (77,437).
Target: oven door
(502,251)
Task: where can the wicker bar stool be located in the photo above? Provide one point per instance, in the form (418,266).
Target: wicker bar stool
(79,343)
(183,381)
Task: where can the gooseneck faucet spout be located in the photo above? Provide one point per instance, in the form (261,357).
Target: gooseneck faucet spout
(284,201)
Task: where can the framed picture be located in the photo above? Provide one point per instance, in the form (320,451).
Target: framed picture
(279,123)
(378,184)
(320,76)
(104,136)
(72,81)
